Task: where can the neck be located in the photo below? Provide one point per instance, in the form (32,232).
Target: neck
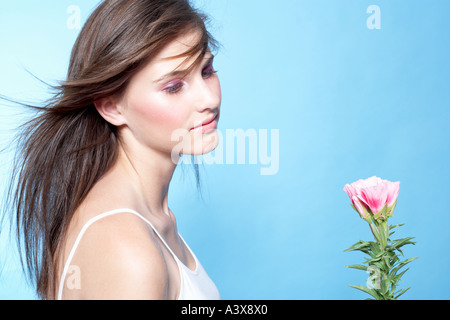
(149,173)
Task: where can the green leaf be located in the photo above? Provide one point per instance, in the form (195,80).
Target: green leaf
(372,292)
(397,278)
(379,265)
(385,284)
(375,247)
(373,257)
(408,261)
(357,266)
(386,261)
(360,245)
(401,292)
(381,213)
(401,242)
(394,263)
(402,264)
(393,227)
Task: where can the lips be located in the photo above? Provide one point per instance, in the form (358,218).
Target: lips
(207,124)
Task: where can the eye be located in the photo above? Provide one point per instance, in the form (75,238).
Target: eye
(208,71)
(174,87)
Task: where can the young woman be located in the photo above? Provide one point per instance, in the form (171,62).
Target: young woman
(95,165)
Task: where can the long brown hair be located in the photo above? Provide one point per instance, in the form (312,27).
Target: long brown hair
(68,146)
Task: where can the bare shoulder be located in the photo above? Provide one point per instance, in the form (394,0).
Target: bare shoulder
(119,259)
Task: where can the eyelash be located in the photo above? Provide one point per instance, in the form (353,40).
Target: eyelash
(207,72)
(173,89)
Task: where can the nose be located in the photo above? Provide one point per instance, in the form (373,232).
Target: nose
(209,94)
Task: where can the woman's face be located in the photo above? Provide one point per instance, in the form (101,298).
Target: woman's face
(171,113)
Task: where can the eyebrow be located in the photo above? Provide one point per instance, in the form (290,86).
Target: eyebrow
(176,73)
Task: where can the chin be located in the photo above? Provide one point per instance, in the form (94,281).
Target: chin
(204,144)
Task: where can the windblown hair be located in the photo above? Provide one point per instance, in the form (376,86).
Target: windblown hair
(68,146)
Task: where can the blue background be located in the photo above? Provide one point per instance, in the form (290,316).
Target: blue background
(349,103)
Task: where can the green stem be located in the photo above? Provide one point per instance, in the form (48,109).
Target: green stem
(380,229)
(385,232)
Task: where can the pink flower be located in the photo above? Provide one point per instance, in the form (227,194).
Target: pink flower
(373,195)
(393,188)
(360,207)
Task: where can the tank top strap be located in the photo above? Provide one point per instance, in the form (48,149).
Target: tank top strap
(156,231)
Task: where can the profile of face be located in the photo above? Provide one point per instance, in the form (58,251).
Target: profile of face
(166,110)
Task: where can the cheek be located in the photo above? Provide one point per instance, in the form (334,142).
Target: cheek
(153,117)
(156,109)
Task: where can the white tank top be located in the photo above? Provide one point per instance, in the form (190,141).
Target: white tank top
(195,284)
